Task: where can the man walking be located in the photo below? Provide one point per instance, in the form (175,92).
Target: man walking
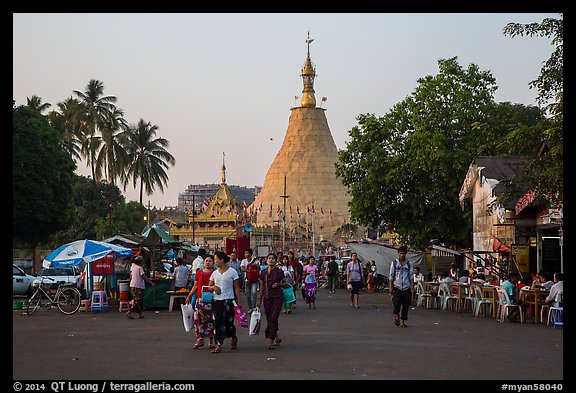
(401,286)
(332,273)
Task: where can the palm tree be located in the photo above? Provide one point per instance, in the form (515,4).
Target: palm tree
(67,121)
(148,158)
(95,106)
(35,103)
(112,156)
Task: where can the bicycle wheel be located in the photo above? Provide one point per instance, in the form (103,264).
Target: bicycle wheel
(34,302)
(68,301)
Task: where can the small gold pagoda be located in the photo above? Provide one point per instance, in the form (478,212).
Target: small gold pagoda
(211,224)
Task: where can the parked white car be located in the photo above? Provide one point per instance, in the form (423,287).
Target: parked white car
(61,275)
(21,282)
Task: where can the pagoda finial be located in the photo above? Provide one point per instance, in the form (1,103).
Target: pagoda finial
(308,74)
(223,169)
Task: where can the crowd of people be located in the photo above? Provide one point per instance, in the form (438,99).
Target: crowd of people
(219,282)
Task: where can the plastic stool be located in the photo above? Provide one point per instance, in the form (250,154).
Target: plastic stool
(558,316)
(84,305)
(99,301)
(124,305)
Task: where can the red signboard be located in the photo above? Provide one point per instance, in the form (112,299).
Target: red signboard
(104,265)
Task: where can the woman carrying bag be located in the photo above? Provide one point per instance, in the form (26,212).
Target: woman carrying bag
(225,284)
(271,282)
(203,320)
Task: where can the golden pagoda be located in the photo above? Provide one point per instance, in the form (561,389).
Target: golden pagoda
(212,223)
(301,184)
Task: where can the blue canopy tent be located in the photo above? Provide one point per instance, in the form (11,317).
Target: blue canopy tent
(84,251)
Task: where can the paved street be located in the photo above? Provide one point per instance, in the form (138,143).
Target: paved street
(332,342)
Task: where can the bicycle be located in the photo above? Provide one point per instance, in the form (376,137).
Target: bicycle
(66,298)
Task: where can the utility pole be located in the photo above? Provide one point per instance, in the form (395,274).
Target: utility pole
(313,230)
(148,211)
(193,219)
(284,216)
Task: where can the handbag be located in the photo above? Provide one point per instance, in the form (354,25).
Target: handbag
(255,318)
(241,316)
(288,293)
(187,316)
(207,297)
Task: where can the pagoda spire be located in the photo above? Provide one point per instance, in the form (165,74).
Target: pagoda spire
(223,169)
(308,74)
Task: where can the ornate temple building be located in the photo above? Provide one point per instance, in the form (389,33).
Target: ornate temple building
(301,190)
(214,222)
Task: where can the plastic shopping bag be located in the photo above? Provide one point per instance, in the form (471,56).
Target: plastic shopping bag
(241,316)
(288,293)
(187,316)
(254,328)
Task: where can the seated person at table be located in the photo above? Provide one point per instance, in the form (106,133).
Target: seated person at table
(510,286)
(446,278)
(557,288)
(480,279)
(465,276)
(417,275)
(536,280)
(545,282)
(453,273)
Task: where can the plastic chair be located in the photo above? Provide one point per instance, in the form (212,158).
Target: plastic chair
(480,302)
(99,301)
(446,296)
(421,296)
(504,305)
(470,299)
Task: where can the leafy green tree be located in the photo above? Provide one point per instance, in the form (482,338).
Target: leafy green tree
(544,173)
(404,170)
(149,158)
(41,178)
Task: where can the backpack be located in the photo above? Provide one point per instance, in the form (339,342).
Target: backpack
(253,272)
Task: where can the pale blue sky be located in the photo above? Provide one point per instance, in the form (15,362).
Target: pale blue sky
(218,83)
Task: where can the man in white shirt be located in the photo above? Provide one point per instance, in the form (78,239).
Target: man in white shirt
(198,263)
(235,263)
(181,275)
(556,289)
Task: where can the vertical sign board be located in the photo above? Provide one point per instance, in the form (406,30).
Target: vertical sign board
(521,253)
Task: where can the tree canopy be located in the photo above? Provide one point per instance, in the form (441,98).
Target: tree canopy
(41,178)
(404,170)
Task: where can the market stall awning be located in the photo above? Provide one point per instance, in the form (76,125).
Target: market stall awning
(73,254)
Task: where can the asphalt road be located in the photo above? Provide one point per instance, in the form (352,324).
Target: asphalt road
(332,342)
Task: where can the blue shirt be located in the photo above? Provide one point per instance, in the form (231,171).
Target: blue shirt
(404,274)
(509,288)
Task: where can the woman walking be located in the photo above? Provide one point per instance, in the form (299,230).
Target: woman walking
(225,284)
(290,276)
(203,319)
(354,279)
(271,282)
(310,282)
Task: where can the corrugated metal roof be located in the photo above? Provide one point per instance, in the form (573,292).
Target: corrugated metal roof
(500,168)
